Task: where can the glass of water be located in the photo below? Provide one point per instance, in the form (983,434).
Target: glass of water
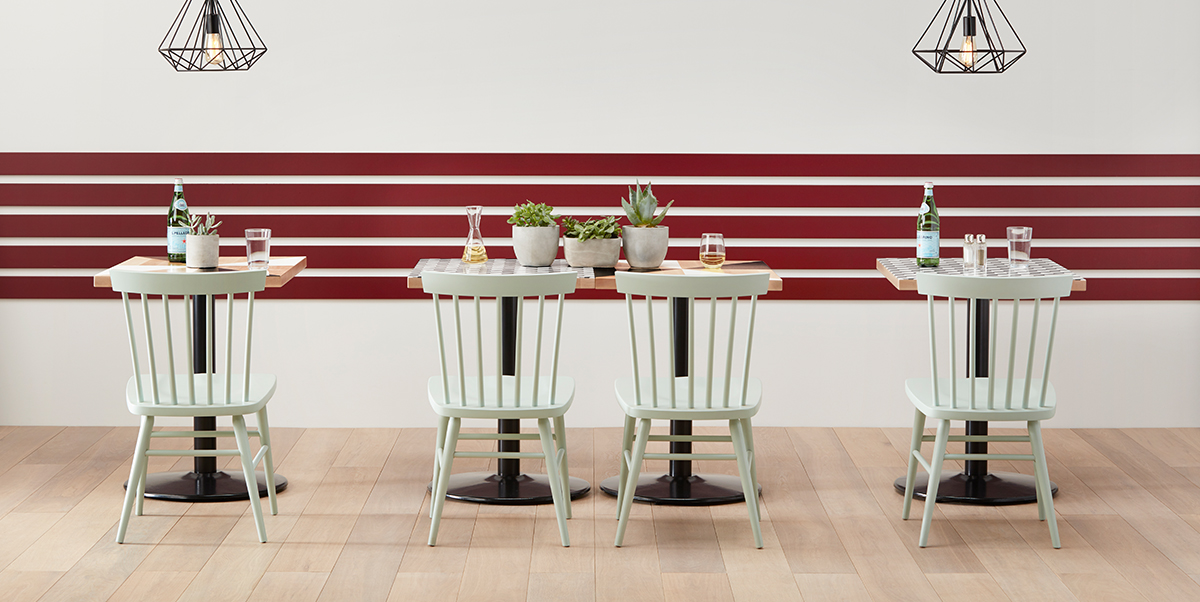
(258,248)
(1020,243)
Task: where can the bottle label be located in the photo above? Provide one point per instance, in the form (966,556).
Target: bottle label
(176,240)
(180,205)
(924,208)
(927,244)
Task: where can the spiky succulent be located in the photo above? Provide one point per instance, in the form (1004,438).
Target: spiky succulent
(641,206)
(203,225)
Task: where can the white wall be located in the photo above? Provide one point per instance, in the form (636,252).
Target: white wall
(757,76)
(751,76)
(365,363)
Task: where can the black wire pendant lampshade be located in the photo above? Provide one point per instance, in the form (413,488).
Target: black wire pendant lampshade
(207,36)
(966,37)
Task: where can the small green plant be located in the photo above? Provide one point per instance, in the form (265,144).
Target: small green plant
(532,215)
(202,225)
(593,228)
(641,205)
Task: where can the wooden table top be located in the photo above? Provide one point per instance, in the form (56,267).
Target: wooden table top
(280,270)
(902,272)
(604,278)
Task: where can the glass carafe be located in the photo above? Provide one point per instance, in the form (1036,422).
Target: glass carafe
(474,251)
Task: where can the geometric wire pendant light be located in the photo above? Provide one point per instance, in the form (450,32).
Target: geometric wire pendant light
(970,40)
(216,40)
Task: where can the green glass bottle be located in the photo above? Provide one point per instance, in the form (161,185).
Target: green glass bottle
(177,225)
(928,231)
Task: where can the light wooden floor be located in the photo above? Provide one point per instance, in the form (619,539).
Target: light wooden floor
(353,524)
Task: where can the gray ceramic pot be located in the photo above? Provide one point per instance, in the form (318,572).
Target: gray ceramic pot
(203,251)
(592,253)
(535,247)
(645,248)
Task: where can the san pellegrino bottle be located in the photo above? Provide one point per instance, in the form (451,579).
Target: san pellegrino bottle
(177,225)
(928,231)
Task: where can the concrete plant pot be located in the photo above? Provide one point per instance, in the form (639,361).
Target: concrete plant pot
(535,246)
(592,253)
(202,251)
(645,248)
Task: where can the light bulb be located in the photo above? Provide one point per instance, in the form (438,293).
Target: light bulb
(967,53)
(213,49)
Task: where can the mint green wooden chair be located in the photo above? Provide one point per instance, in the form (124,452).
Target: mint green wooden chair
(1023,393)
(156,389)
(467,389)
(723,391)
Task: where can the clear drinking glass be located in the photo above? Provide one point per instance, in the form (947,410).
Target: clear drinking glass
(258,248)
(712,250)
(474,251)
(1020,243)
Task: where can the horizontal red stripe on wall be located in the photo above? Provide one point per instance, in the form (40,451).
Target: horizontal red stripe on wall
(625,165)
(848,289)
(592,195)
(779,258)
(681,226)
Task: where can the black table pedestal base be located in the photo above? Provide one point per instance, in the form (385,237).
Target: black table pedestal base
(994,489)
(521,490)
(693,490)
(205,487)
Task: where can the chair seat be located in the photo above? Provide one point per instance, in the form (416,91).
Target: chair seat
(262,387)
(491,408)
(627,396)
(920,392)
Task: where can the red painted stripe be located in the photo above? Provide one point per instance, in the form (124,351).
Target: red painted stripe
(323,226)
(821,258)
(920,166)
(595,195)
(1099,289)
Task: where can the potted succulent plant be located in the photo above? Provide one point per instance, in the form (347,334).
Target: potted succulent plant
(202,239)
(646,241)
(595,243)
(534,234)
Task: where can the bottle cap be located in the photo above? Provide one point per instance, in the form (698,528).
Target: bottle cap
(179,181)
(981,238)
(970,238)
(929,184)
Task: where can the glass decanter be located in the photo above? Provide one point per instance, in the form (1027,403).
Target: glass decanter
(474,251)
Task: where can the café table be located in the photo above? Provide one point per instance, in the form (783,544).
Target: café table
(975,485)
(205,483)
(680,486)
(509,485)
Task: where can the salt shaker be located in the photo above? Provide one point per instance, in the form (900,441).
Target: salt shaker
(980,254)
(969,254)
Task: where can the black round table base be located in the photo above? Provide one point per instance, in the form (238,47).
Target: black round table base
(521,490)
(694,490)
(995,489)
(205,487)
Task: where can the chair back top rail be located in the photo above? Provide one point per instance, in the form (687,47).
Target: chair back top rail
(513,287)
(186,285)
(996,290)
(726,288)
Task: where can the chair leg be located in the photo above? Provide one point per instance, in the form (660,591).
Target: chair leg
(737,431)
(914,446)
(561,501)
(935,475)
(635,468)
(264,439)
(560,432)
(135,475)
(626,447)
(443,482)
(438,444)
(1042,472)
(141,494)
(243,444)
(749,433)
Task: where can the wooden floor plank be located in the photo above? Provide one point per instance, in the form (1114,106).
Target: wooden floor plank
(355,520)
